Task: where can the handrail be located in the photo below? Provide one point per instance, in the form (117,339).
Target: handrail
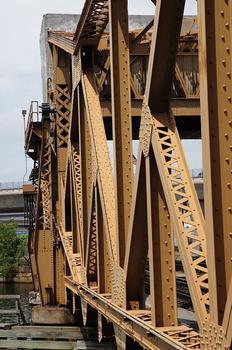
(33,111)
(33,116)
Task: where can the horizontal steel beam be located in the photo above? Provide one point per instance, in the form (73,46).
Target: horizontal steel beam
(142,332)
(180,107)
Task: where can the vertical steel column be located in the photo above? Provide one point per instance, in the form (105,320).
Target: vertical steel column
(158,90)
(91,249)
(85,164)
(62,94)
(45,234)
(60,296)
(160,251)
(104,283)
(121,120)
(215,47)
(137,249)
(74,218)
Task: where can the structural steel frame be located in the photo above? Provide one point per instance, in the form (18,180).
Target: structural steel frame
(96,223)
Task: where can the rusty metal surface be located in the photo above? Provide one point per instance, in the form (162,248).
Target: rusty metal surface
(97,227)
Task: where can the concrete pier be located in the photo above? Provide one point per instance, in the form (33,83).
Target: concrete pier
(51,315)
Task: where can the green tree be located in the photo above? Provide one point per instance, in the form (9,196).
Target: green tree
(12,248)
(21,254)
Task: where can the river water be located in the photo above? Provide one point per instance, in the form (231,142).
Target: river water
(21,289)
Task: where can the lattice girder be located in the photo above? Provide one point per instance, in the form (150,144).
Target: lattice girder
(63,105)
(184,209)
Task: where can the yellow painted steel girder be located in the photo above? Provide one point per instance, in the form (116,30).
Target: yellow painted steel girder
(101,220)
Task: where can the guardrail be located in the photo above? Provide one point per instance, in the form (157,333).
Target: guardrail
(195,173)
(17,185)
(33,116)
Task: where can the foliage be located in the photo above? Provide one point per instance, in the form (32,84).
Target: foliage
(21,246)
(12,248)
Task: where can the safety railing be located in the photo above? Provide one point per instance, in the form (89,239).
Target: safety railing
(33,116)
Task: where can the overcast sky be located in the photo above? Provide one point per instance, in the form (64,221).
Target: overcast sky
(20,80)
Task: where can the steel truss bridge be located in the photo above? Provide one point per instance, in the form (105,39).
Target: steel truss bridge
(93,225)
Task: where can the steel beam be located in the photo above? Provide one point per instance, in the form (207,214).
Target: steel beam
(216,109)
(163,54)
(179,191)
(179,107)
(160,251)
(59,268)
(227,319)
(92,244)
(92,23)
(137,245)
(132,323)
(121,121)
(86,212)
(61,98)
(101,154)
(103,259)
(44,235)
(86,170)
